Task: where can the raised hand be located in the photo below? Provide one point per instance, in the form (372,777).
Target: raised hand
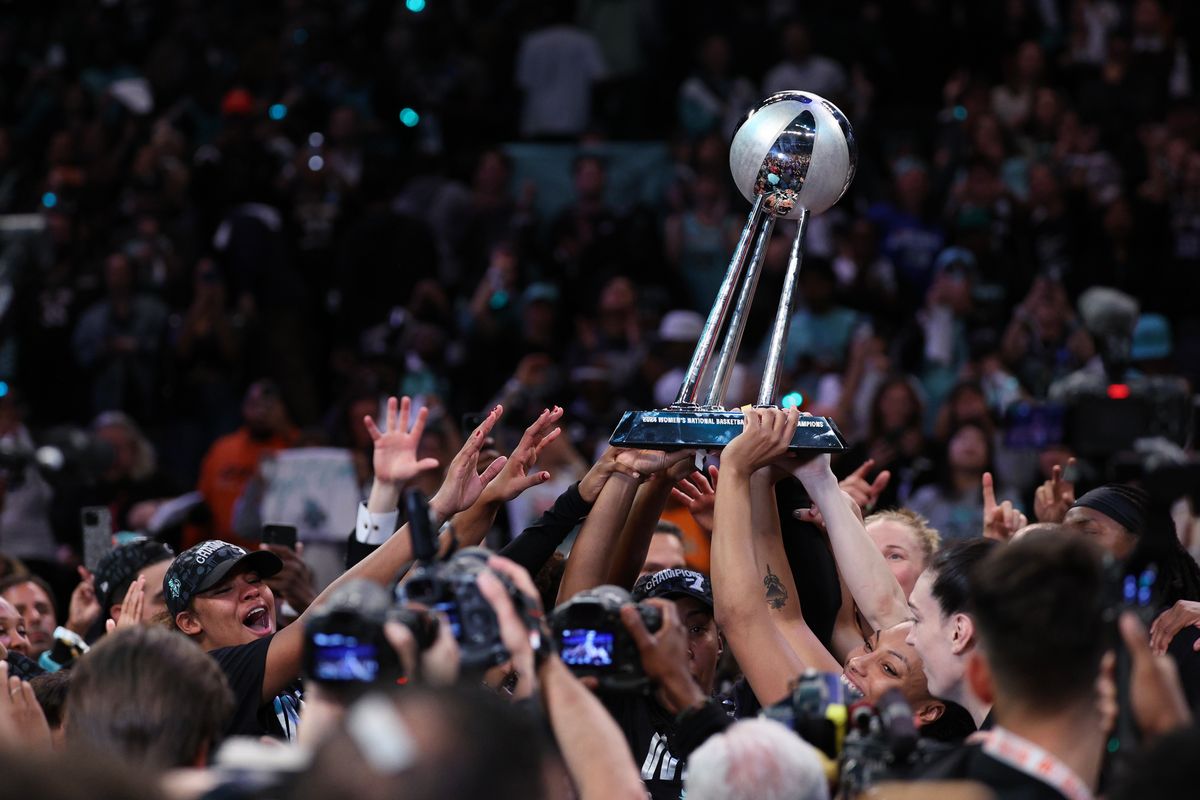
(1000,522)
(294,582)
(699,495)
(131,606)
(598,475)
(22,723)
(395,459)
(647,462)
(1155,693)
(1185,613)
(463,485)
(518,638)
(865,493)
(516,476)
(84,609)
(1055,497)
(763,440)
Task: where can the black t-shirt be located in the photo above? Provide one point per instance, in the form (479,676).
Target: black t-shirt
(647,726)
(245,666)
(970,763)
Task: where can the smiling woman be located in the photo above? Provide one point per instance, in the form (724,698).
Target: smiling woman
(907,542)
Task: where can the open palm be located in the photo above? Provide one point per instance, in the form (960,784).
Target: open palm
(395,459)
(464,484)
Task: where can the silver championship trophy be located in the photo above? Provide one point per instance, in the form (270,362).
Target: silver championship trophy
(794,155)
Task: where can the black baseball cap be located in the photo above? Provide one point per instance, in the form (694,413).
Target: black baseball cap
(120,566)
(671,583)
(202,567)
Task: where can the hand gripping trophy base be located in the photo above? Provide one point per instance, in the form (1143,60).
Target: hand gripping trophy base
(794,152)
(680,428)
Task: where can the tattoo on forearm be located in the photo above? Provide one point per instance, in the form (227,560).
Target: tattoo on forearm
(777,596)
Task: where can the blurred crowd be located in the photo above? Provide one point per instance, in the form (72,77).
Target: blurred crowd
(232,234)
(256,222)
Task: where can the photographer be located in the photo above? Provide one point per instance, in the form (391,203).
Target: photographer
(216,595)
(680,659)
(497,749)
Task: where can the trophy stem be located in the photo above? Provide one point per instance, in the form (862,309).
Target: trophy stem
(741,312)
(716,316)
(783,316)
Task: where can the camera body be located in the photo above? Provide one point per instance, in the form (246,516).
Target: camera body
(593,642)
(345,649)
(816,710)
(450,587)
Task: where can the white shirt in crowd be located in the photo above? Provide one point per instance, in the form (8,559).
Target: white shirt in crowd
(556,68)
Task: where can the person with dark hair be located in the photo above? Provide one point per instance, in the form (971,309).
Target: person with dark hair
(943,631)
(1038,609)
(120,567)
(1113,515)
(34,601)
(216,592)
(233,459)
(51,691)
(13,636)
(954,505)
(181,696)
(666,549)
(447,743)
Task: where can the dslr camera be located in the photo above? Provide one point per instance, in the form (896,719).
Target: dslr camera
(593,642)
(345,650)
(449,585)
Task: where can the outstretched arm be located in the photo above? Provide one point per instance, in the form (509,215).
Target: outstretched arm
(591,558)
(472,525)
(860,564)
(767,658)
(648,507)
(462,487)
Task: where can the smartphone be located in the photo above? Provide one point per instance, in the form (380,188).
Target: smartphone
(96,522)
(282,535)
(1136,589)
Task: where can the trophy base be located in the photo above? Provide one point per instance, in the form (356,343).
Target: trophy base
(709,429)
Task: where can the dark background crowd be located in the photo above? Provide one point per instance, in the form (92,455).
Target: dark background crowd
(475,201)
(231,231)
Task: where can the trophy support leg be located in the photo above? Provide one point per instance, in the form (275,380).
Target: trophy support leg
(741,312)
(783,316)
(701,356)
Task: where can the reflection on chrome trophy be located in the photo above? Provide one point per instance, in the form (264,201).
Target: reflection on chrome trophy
(794,155)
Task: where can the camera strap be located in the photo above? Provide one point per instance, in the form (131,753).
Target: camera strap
(1025,756)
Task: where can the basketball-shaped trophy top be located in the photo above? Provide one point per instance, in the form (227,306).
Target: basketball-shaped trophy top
(797,150)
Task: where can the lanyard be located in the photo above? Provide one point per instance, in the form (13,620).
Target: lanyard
(1025,756)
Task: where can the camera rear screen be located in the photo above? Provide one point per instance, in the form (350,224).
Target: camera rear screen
(342,659)
(451,612)
(585,647)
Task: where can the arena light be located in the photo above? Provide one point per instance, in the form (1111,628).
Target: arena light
(277,111)
(409,118)
(1118,391)
(792,400)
